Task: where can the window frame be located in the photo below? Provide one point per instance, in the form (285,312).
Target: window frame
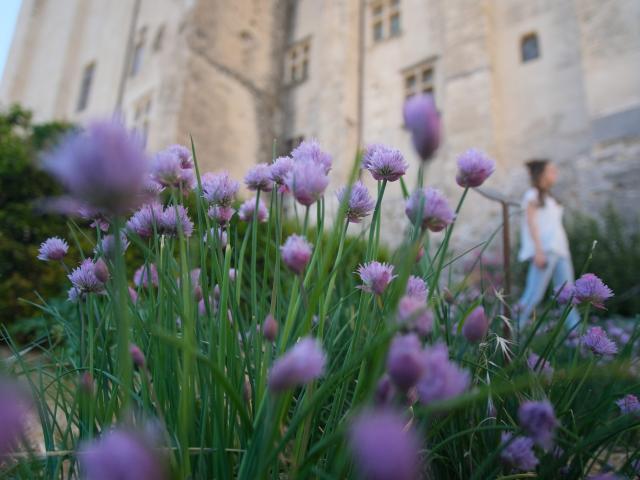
(382,25)
(524,41)
(88,75)
(297,68)
(415,80)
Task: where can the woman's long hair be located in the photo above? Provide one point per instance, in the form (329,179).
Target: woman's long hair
(536,169)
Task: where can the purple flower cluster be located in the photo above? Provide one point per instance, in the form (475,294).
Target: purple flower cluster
(564,293)
(85,279)
(219,189)
(279,170)
(296,253)
(417,288)
(518,452)
(173,167)
(538,419)
(259,178)
(307,181)
(405,362)
(429,208)
(301,364)
(596,341)
(175,220)
(544,368)
(629,405)
(384,163)
(108,245)
(144,273)
(169,220)
(441,378)
(53,249)
(383,448)
(422,119)
(591,289)
(247,211)
(14,411)
(414,314)
(375,277)
(360,202)
(310,151)
(476,325)
(474,167)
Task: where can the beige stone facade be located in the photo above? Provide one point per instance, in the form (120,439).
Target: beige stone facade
(520,79)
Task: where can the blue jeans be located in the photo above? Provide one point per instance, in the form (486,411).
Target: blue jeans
(560,270)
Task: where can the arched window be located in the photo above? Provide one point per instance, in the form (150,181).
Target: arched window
(529,47)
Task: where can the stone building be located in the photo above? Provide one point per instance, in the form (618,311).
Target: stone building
(519,79)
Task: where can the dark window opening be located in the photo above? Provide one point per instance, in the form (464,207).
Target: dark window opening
(85,87)
(529,47)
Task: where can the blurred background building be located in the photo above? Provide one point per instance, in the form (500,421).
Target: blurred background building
(520,79)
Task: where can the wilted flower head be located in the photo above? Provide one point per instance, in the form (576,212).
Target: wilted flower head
(124,455)
(301,364)
(270,328)
(384,163)
(307,182)
(170,169)
(102,166)
(442,379)
(375,277)
(417,288)
(296,253)
(563,293)
(590,289)
(279,169)
(144,221)
(219,188)
(423,121)
(175,219)
(310,151)
(383,448)
(597,342)
(108,245)
(14,411)
(259,178)
(518,454)
(141,275)
(52,249)
(137,356)
(539,420)
(436,212)
(404,361)
(544,368)
(220,214)
(248,208)
(360,202)
(84,278)
(474,167)
(476,325)
(413,312)
(628,405)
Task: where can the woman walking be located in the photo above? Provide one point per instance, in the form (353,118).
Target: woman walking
(543,242)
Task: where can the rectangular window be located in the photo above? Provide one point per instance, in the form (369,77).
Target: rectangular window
(297,62)
(529,47)
(85,86)
(394,25)
(138,53)
(385,19)
(142,118)
(378,31)
(419,79)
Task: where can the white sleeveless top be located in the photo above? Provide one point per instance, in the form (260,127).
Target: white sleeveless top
(549,219)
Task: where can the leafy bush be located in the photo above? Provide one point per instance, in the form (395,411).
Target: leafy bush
(22,185)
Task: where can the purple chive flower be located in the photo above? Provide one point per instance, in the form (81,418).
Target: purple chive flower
(146,220)
(142,275)
(103,166)
(539,420)
(175,218)
(413,312)
(173,168)
(74,294)
(247,209)
(296,253)
(14,412)
(628,405)
(442,379)
(301,364)
(436,212)
(101,270)
(518,453)
(219,188)
(404,361)
(259,178)
(417,288)
(124,455)
(310,151)
(84,278)
(604,476)
(98,218)
(270,328)
(544,368)
(307,182)
(279,170)
(53,249)
(220,214)
(423,121)
(384,163)
(598,343)
(137,356)
(151,188)
(360,202)
(108,245)
(383,448)
(384,391)
(590,289)
(375,277)
(563,293)
(474,167)
(476,325)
